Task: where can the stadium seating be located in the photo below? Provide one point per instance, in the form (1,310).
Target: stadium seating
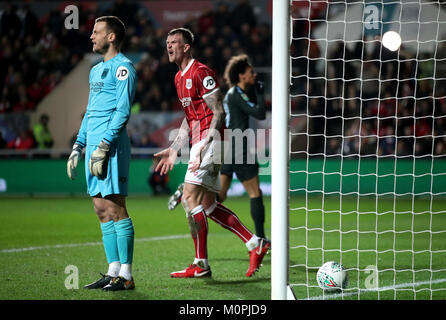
(38,51)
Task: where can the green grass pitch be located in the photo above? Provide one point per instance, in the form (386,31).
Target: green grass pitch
(53,233)
(398,244)
(40,238)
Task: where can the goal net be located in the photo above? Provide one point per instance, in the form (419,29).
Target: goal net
(367,170)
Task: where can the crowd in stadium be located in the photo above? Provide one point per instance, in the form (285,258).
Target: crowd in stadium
(37,53)
(366,100)
(352,105)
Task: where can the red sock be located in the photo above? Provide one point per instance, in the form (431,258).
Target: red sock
(229,220)
(199,232)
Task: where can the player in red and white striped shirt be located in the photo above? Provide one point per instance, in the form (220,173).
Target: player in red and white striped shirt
(194,84)
(198,91)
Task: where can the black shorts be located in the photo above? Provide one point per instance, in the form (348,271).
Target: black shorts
(242,171)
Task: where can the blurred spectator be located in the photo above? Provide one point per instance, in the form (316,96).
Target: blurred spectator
(387,141)
(24,141)
(242,13)
(333,147)
(221,16)
(30,24)
(42,134)
(3,143)
(10,23)
(5,105)
(158,183)
(125,10)
(440,148)
(146,142)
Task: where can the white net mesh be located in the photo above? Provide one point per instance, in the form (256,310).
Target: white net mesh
(367,132)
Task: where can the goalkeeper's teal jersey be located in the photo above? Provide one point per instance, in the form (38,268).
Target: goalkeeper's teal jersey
(112,90)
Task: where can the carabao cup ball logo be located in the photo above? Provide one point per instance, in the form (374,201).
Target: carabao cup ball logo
(326,281)
(122,73)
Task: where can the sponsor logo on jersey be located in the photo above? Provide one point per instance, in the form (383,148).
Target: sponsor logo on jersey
(96,86)
(122,73)
(209,83)
(186,102)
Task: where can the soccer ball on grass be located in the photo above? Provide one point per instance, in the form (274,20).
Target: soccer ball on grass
(332,276)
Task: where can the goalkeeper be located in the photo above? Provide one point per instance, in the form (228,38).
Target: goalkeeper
(107,156)
(243,99)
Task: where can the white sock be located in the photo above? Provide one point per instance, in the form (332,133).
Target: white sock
(211,209)
(202,263)
(126,271)
(113,269)
(252,243)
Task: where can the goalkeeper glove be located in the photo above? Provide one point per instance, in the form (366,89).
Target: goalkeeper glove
(73,160)
(98,160)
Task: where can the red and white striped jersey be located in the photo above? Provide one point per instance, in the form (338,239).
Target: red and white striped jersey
(193,84)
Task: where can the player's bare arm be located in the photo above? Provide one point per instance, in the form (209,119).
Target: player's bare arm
(215,102)
(182,137)
(168,156)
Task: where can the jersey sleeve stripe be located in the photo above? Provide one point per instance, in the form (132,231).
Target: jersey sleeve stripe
(210,92)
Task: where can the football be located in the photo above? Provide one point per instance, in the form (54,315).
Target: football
(332,276)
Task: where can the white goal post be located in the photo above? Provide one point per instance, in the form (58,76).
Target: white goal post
(280,149)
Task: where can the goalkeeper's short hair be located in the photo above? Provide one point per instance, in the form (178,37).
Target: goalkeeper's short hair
(115,25)
(235,66)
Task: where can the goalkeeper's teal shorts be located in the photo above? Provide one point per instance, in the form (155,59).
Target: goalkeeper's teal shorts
(116,181)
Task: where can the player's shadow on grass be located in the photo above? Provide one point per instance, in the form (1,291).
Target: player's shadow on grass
(248,288)
(211,281)
(266,260)
(128,295)
(231,259)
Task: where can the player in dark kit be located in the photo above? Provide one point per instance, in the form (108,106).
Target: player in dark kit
(243,100)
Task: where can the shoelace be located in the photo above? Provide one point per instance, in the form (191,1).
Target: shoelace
(118,280)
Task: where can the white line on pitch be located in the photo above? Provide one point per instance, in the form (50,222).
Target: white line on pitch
(398,286)
(86,244)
